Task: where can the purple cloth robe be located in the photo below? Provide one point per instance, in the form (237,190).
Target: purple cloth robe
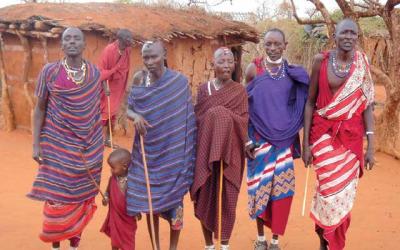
(276,107)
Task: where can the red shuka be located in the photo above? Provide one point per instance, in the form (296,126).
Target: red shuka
(119,226)
(114,68)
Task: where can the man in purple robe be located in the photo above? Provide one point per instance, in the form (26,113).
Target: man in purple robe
(277,95)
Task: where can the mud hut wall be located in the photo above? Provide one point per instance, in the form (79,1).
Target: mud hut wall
(14,66)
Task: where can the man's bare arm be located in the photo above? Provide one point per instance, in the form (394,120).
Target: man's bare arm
(309,108)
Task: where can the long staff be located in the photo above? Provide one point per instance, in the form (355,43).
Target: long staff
(109,116)
(221,178)
(146,174)
(91,176)
(305,191)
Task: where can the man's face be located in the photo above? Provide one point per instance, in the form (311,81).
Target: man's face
(224,65)
(274,45)
(72,42)
(346,35)
(153,56)
(124,43)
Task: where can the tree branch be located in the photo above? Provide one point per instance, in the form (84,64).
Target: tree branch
(305,21)
(362,6)
(325,14)
(345,7)
(390,4)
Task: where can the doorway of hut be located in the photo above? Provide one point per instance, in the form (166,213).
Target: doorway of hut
(237,54)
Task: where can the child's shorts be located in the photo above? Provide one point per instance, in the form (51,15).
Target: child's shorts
(174,216)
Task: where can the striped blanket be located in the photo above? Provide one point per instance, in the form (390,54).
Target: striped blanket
(336,128)
(66,221)
(169,144)
(72,129)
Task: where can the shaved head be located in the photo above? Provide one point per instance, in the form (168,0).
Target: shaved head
(119,155)
(344,24)
(72,30)
(222,51)
(154,56)
(157,45)
(125,39)
(124,34)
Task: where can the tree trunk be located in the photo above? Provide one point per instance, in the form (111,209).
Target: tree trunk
(388,129)
(388,124)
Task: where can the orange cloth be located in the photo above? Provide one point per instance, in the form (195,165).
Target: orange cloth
(114,68)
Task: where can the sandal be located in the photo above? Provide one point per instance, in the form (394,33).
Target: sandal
(260,245)
(274,247)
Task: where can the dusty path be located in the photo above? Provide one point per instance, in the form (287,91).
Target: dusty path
(375,220)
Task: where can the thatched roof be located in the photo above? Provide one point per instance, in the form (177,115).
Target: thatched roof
(145,22)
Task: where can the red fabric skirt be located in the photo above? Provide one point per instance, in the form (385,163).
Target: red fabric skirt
(65,221)
(276,215)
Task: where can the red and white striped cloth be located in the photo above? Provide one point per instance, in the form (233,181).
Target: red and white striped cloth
(336,165)
(337,170)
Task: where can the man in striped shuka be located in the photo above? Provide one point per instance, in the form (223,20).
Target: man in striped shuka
(338,112)
(160,105)
(67,142)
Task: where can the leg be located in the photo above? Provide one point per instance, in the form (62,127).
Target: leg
(74,241)
(274,243)
(260,227)
(224,244)
(55,245)
(323,244)
(174,238)
(260,243)
(156,229)
(207,236)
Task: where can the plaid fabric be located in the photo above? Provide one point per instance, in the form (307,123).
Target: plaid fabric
(222,118)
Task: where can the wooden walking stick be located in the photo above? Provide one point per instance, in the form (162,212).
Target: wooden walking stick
(109,116)
(221,178)
(146,174)
(91,176)
(305,191)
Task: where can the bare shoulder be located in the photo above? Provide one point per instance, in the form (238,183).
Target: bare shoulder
(319,58)
(138,77)
(251,66)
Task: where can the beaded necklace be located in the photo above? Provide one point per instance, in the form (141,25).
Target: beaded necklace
(278,74)
(122,182)
(214,82)
(77,75)
(340,70)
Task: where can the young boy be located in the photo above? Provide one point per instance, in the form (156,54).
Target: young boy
(119,226)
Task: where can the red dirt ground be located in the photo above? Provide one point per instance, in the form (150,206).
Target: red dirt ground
(375,219)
